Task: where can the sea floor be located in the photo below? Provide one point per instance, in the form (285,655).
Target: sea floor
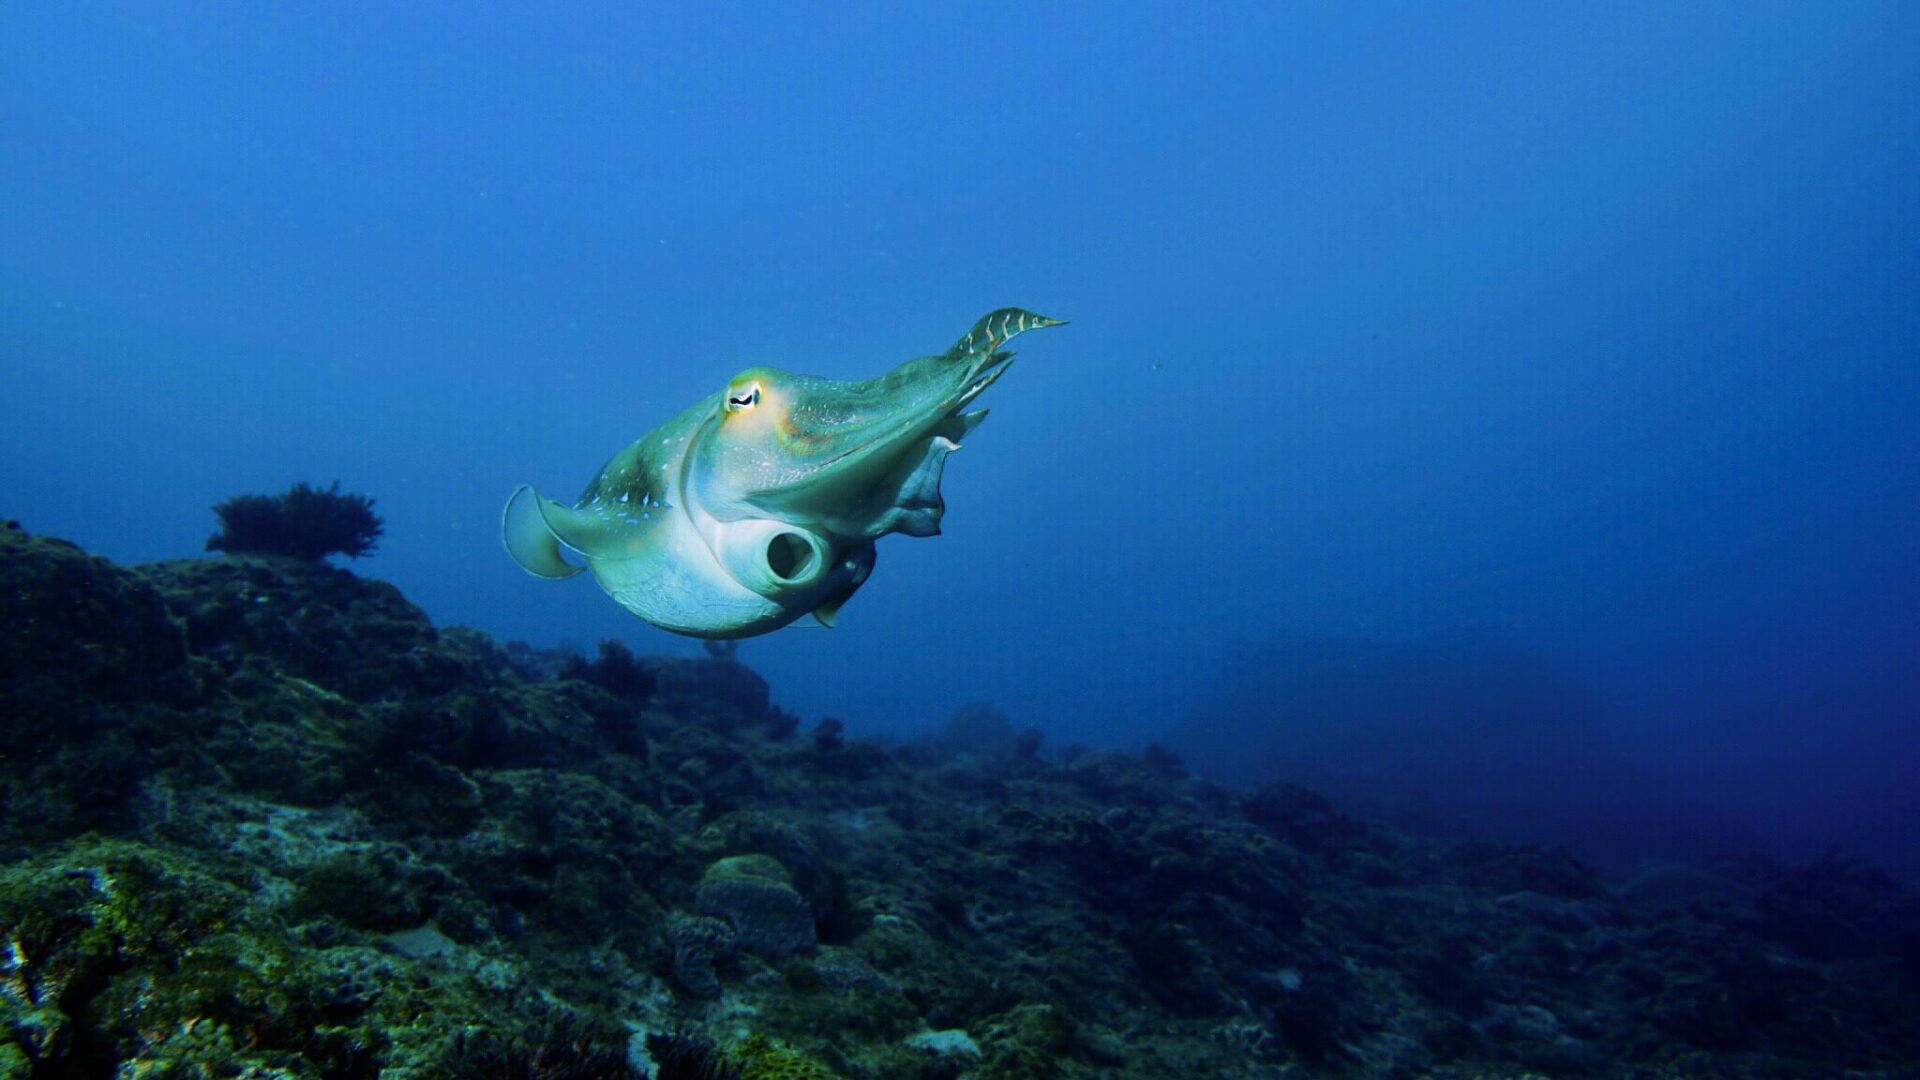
(261,818)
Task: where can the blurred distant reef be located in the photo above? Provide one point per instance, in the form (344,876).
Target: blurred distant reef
(261,818)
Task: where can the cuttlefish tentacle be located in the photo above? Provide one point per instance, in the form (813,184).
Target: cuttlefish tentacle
(761,503)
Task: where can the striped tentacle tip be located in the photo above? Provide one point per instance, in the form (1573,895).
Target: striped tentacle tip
(1010,321)
(999,327)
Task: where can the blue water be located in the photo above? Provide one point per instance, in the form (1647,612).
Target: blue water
(1587,336)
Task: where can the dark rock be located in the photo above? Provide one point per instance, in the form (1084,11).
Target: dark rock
(617,671)
(93,674)
(976,730)
(1507,868)
(83,632)
(357,638)
(733,694)
(1304,819)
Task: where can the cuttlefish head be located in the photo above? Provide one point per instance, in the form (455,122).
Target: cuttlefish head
(763,503)
(853,459)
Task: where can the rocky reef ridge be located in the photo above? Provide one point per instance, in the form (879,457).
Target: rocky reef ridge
(261,818)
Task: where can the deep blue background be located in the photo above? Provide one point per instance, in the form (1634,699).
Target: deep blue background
(1588,332)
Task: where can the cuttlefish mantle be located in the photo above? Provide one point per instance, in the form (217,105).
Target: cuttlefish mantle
(762,503)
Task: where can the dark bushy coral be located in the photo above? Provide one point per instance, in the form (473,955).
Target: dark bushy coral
(562,1046)
(305,523)
(688,1057)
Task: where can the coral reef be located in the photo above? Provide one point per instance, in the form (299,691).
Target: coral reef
(303,523)
(262,818)
(754,894)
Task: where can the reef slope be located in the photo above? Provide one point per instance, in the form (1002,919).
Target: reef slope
(262,818)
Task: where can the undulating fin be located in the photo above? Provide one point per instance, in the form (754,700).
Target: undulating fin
(536,529)
(531,543)
(996,329)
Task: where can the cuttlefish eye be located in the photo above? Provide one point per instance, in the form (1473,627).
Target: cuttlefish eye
(742,398)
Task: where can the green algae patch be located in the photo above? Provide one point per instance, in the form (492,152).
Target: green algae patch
(760,1058)
(359,889)
(116,955)
(119,954)
(1026,1042)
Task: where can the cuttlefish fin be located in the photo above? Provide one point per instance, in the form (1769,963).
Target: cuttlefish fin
(529,539)
(537,530)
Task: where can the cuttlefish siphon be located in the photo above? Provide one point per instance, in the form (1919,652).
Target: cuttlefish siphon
(762,503)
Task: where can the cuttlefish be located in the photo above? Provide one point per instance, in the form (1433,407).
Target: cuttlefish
(761,503)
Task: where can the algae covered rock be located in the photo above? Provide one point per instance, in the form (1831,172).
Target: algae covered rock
(94,675)
(950,1050)
(1026,1042)
(755,895)
(976,730)
(760,1058)
(353,636)
(121,952)
(707,682)
(123,956)
(81,632)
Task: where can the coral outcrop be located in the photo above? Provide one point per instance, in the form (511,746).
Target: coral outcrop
(262,818)
(303,523)
(755,896)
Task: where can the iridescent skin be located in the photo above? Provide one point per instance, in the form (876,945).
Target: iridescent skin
(762,503)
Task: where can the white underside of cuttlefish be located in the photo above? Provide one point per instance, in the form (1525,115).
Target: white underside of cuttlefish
(762,503)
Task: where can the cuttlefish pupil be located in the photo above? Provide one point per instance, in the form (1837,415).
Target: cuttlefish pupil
(748,525)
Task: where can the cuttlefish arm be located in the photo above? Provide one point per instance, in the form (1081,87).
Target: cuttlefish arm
(907,498)
(861,458)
